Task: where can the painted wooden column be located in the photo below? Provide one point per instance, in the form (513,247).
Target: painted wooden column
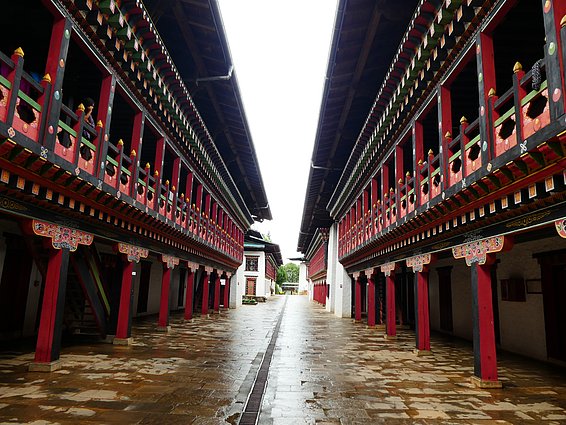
(420,265)
(158,171)
(358,298)
(480,256)
(189,294)
(132,254)
(56,64)
(486,82)
(63,241)
(217,292)
(554,14)
(371,298)
(169,263)
(205,289)
(388,270)
(226,301)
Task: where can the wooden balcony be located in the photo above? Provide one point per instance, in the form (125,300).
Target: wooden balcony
(89,162)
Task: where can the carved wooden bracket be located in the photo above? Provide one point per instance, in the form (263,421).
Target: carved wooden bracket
(62,237)
(476,251)
(387,268)
(419,262)
(133,253)
(170,260)
(561,227)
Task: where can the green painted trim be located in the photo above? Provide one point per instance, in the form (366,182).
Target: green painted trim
(5,82)
(29,101)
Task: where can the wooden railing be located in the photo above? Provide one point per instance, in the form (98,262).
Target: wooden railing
(83,149)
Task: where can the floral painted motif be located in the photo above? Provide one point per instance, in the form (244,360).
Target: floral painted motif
(134,253)
(387,268)
(476,251)
(418,262)
(170,260)
(561,227)
(62,237)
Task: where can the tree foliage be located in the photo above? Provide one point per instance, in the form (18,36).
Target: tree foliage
(288,273)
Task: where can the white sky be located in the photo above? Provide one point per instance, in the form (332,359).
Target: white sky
(280,53)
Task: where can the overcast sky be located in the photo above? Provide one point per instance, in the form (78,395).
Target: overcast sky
(280,53)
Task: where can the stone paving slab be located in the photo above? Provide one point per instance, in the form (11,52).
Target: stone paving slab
(324,371)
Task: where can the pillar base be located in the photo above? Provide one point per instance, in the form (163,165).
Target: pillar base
(164,329)
(370,327)
(188,320)
(45,367)
(482,383)
(422,353)
(389,337)
(123,341)
(356,321)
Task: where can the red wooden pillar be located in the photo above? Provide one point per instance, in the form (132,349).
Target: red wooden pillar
(390,316)
(204,309)
(63,241)
(485,357)
(371,300)
(51,321)
(480,255)
(358,294)
(423,315)
(227,292)
(189,293)
(132,254)
(420,265)
(169,263)
(217,293)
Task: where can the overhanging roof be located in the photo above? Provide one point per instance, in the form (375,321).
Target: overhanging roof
(194,35)
(366,36)
(254,240)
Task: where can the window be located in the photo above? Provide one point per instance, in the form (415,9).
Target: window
(251,264)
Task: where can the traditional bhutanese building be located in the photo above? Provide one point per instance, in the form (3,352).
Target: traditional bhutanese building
(438,170)
(138,205)
(258,272)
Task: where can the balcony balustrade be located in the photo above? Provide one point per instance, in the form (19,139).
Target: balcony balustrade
(92,152)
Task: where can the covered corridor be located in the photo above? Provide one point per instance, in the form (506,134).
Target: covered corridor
(324,370)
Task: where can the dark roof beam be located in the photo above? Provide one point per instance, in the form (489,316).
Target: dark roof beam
(190,40)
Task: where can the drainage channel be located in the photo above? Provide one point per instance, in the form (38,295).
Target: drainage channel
(252,409)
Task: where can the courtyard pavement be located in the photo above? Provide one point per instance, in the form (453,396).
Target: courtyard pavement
(324,370)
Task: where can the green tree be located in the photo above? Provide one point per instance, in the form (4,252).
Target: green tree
(292,271)
(281,275)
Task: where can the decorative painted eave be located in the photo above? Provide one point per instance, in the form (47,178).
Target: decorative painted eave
(137,35)
(392,105)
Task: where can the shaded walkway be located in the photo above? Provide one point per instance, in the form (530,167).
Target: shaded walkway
(324,370)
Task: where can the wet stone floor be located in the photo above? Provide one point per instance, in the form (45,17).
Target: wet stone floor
(324,370)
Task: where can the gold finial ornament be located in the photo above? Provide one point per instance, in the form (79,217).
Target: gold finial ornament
(133,153)
(147,165)
(19,52)
(166,182)
(156,173)
(430,152)
(463,120)
(420,162)
(491,92)
(120,142)
(517,67)
(47,78)
(400,181)
(81,107)
(448,135)
(408,174)
(99,123)
(563,22)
